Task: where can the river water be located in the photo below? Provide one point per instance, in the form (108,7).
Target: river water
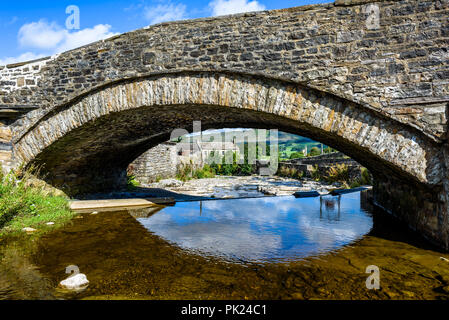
(266,248)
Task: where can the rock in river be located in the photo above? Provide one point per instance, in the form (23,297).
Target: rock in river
(75,282)
(169,183)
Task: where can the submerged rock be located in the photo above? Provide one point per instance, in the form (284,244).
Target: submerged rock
(75,282)
(268,190)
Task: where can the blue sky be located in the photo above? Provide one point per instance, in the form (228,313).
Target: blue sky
(32,29)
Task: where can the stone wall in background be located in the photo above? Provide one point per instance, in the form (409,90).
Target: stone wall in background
(159,162)
(323,167)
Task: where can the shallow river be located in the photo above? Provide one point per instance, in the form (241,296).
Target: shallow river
(267,248)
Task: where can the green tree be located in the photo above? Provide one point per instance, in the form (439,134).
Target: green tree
(314,152)
(296,155)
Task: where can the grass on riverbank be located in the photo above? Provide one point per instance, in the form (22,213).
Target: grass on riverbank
(27,203)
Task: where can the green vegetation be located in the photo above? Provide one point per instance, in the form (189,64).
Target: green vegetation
(315,173)
(365,179)
(314,152)
(340,173)
(131,182)
(337,173)
(290,173)
(187,172)
(297,155)
(234,169)
(292,146)
(28,202)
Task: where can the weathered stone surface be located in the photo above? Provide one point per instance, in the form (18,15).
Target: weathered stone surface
(327,46)
(107,124)
(155,164)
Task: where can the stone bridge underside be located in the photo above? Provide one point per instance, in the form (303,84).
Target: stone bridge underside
(378,94)
(85,146)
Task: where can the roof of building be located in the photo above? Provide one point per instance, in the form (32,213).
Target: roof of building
(208,146)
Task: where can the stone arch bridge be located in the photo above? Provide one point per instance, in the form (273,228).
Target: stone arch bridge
(378,92)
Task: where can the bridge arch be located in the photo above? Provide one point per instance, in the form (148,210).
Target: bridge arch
(141,112)
(85,145)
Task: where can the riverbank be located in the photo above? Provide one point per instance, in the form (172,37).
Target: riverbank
(29,205)
(220,187)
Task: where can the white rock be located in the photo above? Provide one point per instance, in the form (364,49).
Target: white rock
(50,223)
(76,282)
(95,212)
(28,229)
(169,183)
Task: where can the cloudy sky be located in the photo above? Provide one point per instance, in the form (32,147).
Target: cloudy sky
(32,29)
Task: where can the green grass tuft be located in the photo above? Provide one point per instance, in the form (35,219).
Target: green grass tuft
(23,204)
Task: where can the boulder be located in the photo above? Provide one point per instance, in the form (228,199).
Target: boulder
(267,190)
(76,282)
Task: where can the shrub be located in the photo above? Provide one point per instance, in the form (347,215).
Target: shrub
(131,182)
(296,155)
(184,172)
(366,178)
(314,152)
(337,173)
(290,172)
(204,173)
(315,173)
(187,172)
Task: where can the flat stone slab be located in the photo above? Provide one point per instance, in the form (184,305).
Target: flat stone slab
(306,194)
(89,205)
(337,192)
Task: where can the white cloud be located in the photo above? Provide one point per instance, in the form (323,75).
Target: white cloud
(224,7)
(54,39)
(50,38)
(165,12)
(85,36)
(27,56)
(41,35)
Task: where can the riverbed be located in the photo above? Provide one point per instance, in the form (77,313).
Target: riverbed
(231,249)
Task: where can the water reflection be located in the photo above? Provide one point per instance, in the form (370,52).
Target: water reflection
(329,212)
(270,229)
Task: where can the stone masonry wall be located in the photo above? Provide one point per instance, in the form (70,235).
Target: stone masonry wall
(157,163)
(398,68)
(323,168)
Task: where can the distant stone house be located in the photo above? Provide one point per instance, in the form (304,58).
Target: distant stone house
(199,152)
